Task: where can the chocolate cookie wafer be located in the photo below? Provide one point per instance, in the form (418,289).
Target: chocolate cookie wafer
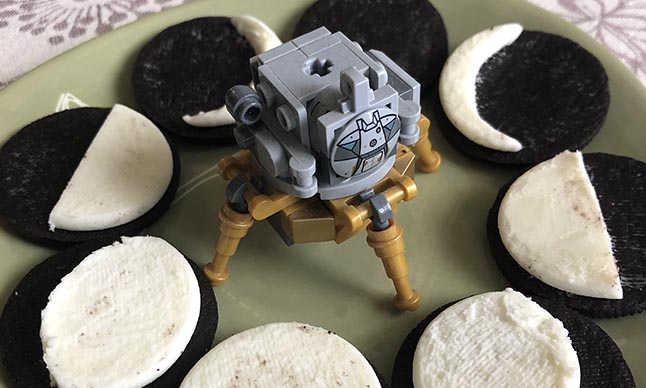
(21,350)
(410,32)
(39,161)
(511,96)
(180,77)
(620,190)
(600,360)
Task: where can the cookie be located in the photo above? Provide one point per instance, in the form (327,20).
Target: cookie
(21,348)
(286,353)
(600,361)
(38,163)
(383,25)
(511,96)
(180,77)
(585,281)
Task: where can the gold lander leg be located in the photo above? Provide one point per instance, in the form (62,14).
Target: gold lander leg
(428,160)
(389,246)
(233,227)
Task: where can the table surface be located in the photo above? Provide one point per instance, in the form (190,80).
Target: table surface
(33,31)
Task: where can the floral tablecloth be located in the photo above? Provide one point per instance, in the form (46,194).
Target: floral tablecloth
(33,31)
(619,24)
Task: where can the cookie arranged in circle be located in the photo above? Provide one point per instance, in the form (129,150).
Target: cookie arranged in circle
(92,330)
(600,361)
(571,229)
(410,32)
(283,354)
(511,96)
(86,173)
(180,77)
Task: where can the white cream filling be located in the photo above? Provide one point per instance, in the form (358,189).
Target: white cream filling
(496,339)
(261,38)
(458,86)
(282,355)
(213,118)
(122,317)
(124,173)
(258,34)
(550,221)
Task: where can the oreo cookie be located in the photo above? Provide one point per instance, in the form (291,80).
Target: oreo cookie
(36,165)
(621,192)
(536,94)
(600,360)
(21,350)
(283,354)
(383,25)
(187,69)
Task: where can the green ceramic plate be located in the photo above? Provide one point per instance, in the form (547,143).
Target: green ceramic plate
(342,288)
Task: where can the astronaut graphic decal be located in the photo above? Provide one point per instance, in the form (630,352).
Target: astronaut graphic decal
(365,142)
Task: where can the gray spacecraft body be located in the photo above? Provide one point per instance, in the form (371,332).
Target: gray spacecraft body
(325,117)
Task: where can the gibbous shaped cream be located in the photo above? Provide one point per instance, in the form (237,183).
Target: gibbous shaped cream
(550,222)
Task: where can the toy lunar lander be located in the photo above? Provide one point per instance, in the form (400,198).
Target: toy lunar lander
(325,139)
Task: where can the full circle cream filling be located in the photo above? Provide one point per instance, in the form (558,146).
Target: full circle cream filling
(122,317)
(496,339)
(289,354)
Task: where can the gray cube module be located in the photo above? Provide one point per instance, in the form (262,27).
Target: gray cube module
(332,115)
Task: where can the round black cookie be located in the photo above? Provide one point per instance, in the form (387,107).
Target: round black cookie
(410,32)
(601,361)
(20,346)
(621,189)
(37,163)
(188,68)
(544,90)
